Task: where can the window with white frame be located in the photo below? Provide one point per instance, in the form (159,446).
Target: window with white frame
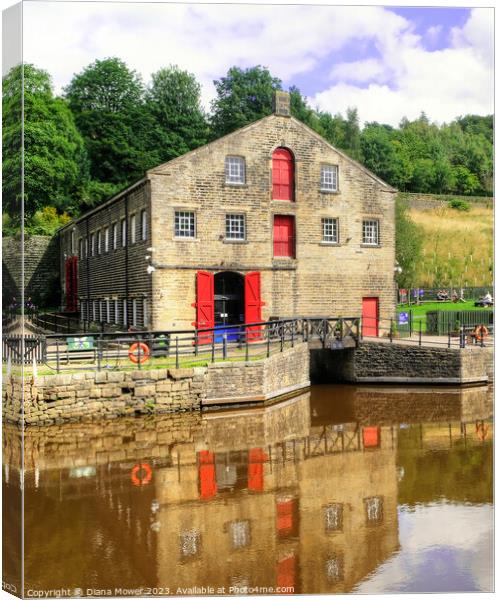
(124,232)
(145,314)
(80,248)
(132,229)
(235,169)
(117,312)
(72,241)
(330,230)
(106,239)
(83,309)
(99,242)
(374,509)
(101,311)
(329,178)
(235,227)
(144,225)
(115,236)
(333,517)
(371,232)
(124,312)
(134,312)
(108,311)
(92,244)
(86,247)
(239,532)
(94,311)
(185,226)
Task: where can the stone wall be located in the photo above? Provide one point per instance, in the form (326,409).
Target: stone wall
(55,399)
(426,201)
(398,363)
(41,273)
(259,380)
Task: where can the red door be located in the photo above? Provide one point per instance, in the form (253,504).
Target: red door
(369,316)
(285,576)
(256,460)
(284,235)
(206,474)
(283,175)
(253,304)
(371,437)
(204,305)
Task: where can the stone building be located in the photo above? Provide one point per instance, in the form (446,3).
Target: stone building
(268,221)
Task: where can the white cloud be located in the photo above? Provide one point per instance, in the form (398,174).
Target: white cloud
(291,40)
(443,83)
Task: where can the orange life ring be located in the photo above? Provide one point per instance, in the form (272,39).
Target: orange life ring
(146,477)
(481,431)
(133,353)
(481,332)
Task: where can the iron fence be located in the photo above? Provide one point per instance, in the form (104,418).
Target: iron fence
(125,350)
(414,295)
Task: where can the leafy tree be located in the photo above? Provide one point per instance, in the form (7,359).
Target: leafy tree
(409,240)
(352,134)
(174,101)
(243,96)
(465,182)
(55,161)
(107,99)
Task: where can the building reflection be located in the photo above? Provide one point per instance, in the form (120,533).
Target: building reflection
(302,494)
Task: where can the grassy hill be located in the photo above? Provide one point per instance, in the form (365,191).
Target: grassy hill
(457,247)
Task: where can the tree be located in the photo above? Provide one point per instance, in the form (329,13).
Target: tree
(107,99)
(352,134)
(409,239)
(174,101)
(55,161)
(243,96)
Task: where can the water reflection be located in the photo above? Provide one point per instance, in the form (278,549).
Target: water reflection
(333,491)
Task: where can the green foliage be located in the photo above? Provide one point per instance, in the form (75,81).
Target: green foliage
(409,240)
(174,102)
(47,221)
(55,161)
(243,96)
(107,99)
(459,204)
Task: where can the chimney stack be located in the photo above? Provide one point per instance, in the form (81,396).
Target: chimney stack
(282,103)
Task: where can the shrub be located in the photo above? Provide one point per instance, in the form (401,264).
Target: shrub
(459,204)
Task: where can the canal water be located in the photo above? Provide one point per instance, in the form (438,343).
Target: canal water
(340,489)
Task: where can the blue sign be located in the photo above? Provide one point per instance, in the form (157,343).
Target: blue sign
(403,318)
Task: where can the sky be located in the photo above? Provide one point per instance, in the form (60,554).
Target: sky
(389,62)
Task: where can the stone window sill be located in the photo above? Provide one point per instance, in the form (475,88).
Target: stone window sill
(185,239)
(330,192)
(329,243)
(229,241)
(235,185)
(370,246)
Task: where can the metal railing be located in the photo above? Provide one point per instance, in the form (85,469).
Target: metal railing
(138,350)
(413,332)
(418,295)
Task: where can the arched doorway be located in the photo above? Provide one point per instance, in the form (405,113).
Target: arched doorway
(229,296)
(283,175)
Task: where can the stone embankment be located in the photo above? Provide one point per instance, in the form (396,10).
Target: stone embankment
(54,399)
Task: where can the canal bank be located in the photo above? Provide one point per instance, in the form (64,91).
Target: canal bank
(109,394)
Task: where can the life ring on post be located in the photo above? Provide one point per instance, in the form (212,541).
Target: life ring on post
(481,332)
(141,474)
(139,352)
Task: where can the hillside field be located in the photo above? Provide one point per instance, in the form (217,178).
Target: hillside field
(457,246)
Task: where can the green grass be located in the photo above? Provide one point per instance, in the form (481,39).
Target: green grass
(457,247)
(420,311)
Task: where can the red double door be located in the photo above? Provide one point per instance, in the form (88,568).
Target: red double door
(205,304)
